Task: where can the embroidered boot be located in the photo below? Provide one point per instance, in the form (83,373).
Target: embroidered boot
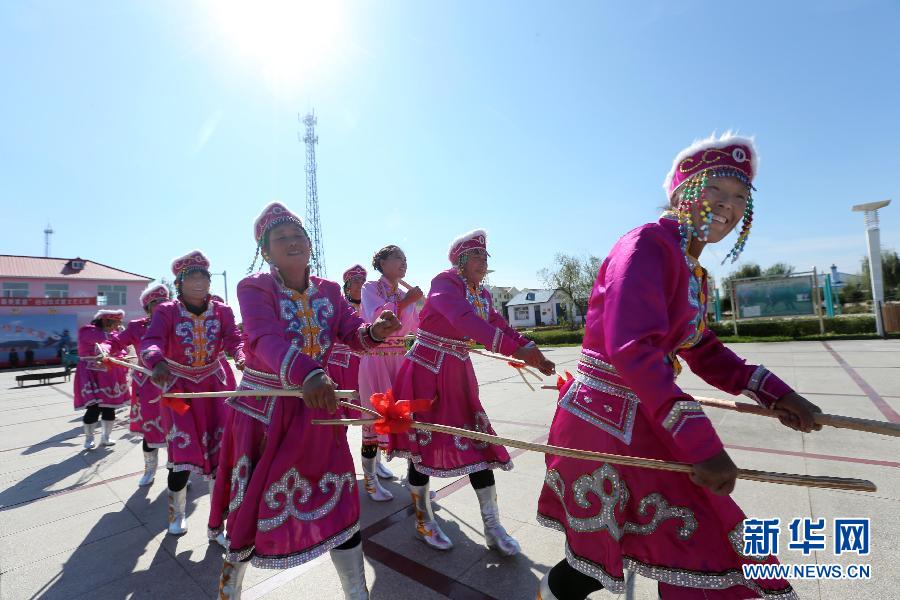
(544,592)
(89,436)
(231,580)
(107,430)
(177,514)
(352,572)
(151,461)
(495,535)
(382,469)
(373,486)
(427,528)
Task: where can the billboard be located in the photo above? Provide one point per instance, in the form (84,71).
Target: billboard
(774,297)
(27,340)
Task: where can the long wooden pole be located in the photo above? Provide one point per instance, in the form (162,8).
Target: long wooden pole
(825,419)
(815,481)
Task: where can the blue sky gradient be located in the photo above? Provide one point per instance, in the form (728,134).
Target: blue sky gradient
(142,130)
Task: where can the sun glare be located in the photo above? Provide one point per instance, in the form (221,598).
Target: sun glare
(286,41)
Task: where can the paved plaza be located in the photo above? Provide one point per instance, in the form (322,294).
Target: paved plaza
(74,524)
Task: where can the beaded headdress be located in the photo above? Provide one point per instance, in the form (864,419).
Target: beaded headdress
(725,156)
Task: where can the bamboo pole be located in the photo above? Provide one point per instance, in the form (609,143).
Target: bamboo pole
(814,481)
(825,419)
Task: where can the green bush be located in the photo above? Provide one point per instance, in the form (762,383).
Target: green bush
(796,328)
(555,336)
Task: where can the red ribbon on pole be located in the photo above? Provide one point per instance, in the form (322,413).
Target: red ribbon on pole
(396,415)
(560,382)
(176,404)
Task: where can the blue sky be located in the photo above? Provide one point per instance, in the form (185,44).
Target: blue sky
(142,130)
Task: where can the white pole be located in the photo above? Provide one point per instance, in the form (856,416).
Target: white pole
(873,237)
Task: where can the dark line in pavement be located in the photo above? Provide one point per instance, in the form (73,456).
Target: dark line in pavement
(852,459)
(434,580)
(889,413)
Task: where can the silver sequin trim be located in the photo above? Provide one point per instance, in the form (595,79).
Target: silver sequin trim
(177,434)
(568,403)
(285,365)
(678,409)
(281,495)
(293,560)
(498,339)
(457,472)
(482,425)
(736,537)
(619,495)
(240,475)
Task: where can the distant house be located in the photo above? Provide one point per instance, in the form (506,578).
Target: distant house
(533,308)
(501,296)
(839,279)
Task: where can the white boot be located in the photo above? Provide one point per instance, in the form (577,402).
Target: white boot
(89,436)
(220,538)
(382,469)
(544,592)
(231,580)
(151,461)
(352,572)
(177,512)
(427,528)
(373,486)
(495,535)
(107,430)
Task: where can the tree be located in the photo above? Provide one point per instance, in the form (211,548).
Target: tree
(890,274)
(779,270)
(574,277)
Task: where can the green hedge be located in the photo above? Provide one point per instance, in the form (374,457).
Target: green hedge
(783,329)
(555,336)
(796,328)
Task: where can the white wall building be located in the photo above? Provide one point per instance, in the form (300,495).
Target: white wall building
(533,308)
(501,296)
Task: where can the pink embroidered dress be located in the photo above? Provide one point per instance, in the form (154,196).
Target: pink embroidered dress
(343,362)
(438,367)
(194,348)
(647,310)
(98,384)
(287,487)
(146,417)
(378,368)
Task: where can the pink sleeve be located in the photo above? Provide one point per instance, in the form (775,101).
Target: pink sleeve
(506,332)
(231,335)
(119,341)
(266,337)
(349,327)
(154,342)
(447,297)
(722,368)
(372,302)
(638,281)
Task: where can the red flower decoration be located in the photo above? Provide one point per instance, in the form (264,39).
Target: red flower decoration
(176,404)
(515,364)
(560,382)
(396,415)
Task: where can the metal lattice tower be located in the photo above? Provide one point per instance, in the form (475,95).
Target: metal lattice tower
(313,222)
(47,233)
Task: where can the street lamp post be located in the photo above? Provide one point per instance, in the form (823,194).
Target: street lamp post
(224,275)
(873,237)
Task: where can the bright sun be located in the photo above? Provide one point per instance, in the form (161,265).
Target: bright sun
(285,40)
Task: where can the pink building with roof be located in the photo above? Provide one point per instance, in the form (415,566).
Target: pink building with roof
(43,302)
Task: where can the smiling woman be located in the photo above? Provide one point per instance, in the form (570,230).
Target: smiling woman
(286,41)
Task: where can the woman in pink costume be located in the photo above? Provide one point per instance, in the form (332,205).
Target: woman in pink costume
(438,368)
(99,388)
(646,312)
(185,347)
(343,363)
(146,418)
(286,486)
(378,368)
